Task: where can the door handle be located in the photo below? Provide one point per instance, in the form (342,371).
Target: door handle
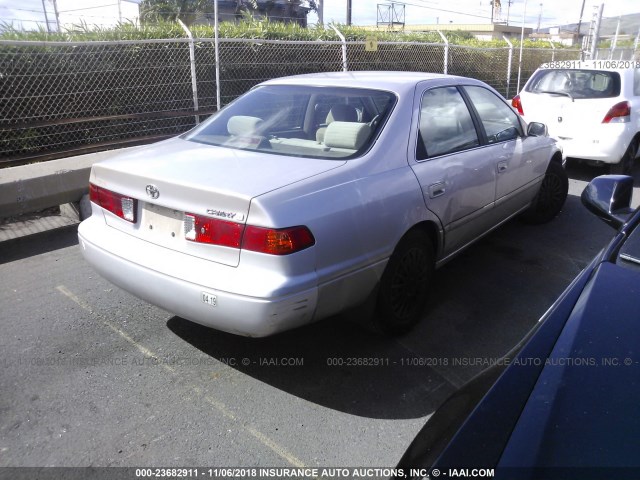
(436,189)
(502,166)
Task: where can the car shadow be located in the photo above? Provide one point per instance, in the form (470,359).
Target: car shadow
(333,363)
(484,302)
(38,243)
(582,171)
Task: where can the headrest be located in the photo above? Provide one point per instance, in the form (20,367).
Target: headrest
(347,135)
(342,113)
(242,125)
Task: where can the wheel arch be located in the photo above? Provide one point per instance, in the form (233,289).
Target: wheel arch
(557,157)
(636,139)
(433,232)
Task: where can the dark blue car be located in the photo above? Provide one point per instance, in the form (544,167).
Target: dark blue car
(566,405)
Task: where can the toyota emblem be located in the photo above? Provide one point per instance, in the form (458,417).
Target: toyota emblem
(153,191)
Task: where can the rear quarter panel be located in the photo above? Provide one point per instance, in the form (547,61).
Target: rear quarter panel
(357,213)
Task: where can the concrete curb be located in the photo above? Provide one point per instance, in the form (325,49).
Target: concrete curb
(30,188)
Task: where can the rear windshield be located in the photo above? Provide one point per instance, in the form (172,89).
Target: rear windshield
(576,83)
(315,122)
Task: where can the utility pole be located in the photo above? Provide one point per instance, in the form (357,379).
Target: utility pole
(55,9)
(348,12)
(320,6)
(539,18)
(508,10)
(594,32)
(614,43)
(580,21)
(46,17)
(524,17)
(119,11)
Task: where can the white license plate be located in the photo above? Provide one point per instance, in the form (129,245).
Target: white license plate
(210,299)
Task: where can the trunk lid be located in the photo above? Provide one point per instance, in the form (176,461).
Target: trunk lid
(190,177)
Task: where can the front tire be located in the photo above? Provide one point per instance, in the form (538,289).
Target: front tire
(551,196)
(405,284)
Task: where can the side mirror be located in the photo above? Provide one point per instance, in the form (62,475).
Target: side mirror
(537,129)
(609,198)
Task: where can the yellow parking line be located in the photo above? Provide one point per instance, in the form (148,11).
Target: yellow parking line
(145,351)
(275,447)
(68,293)
(221,407)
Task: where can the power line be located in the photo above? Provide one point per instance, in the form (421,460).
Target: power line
(89,8)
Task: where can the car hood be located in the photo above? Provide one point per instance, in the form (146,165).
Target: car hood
(584,409)
(568,399)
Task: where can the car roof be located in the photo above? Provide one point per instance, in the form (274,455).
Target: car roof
(378,80)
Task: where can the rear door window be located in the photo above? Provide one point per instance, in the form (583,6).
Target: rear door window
(445,124)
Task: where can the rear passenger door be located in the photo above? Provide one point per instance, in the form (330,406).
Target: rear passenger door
(458,181)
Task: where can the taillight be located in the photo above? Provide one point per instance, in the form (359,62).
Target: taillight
(282,241)
(120,205)
(272,241)
(212,230)
(517,104)
(619,113)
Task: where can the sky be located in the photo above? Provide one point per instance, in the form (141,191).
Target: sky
(30,13)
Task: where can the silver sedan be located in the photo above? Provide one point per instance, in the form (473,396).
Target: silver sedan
(313,194)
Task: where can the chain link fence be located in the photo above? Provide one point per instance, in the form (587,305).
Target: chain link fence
(64,98)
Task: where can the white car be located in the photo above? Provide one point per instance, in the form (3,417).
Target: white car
(591,107)
(312,194)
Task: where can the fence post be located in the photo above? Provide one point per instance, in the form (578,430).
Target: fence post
(508,65)
(446,51)
(192,59)
(345,67)
(553,53)
(216,46)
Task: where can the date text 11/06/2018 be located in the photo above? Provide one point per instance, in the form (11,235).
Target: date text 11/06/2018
(598,64)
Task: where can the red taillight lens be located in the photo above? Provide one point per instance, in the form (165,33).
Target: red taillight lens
(281,241)
(619,113)
(213,231)
(120,205)
(517,104)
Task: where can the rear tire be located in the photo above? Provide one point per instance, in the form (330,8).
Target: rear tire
(404,287)
(551,196)
(625,166)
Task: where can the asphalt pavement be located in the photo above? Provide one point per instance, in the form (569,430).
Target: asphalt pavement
(92,376)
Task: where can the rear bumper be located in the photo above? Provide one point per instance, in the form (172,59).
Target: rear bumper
(234,312)
(606,152)
(606,144)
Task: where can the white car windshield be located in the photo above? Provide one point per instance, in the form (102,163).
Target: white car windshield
(316,122)
(576,83)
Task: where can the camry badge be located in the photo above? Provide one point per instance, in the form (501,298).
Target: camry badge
(153,191)
(237,216)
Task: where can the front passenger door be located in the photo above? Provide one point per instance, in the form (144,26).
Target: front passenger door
(518,170)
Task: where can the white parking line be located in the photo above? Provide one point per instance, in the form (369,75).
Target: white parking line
(219,406)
